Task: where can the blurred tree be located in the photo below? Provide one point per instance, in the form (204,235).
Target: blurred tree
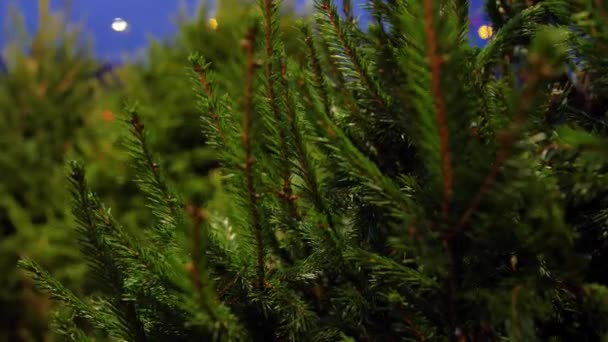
(48,94)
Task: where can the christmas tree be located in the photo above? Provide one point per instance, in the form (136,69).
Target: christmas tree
(399,185)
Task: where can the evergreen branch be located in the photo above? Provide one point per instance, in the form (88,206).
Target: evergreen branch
(351,52)
(152,181)
(336,144)
(317,72)
(306,163)
(66,327)
(198,270)
(333,69)
(248,45)
(270,27)
(98,247)
(507,140)
(126,271)
(538,69)
(45,282)
(392,271)
(440,106)
(384,191)
(462,10)
(522,24)
(200,68)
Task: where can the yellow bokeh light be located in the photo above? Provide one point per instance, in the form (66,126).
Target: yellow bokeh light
(213,24)
(485,32)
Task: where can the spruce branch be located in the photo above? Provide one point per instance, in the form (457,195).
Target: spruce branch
(198,269)
(45,282)
(382,190)
(462,10)
(317,72)
(335,72)
(306,163)
(200,68)
(341,32)
(507,140)
(522,24)
(98,244)
(248,45)
(270,29)
(151,180)
(440,105)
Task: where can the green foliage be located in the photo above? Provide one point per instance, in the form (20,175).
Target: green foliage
(164,89)
(440,202)
(47,104)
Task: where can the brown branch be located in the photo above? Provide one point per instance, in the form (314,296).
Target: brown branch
(197,266)
(440,106)
(248,45)
(202,77)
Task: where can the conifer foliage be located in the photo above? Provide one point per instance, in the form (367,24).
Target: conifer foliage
(48,97)
(399,186)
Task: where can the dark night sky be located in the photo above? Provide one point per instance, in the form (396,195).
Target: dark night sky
(145,17)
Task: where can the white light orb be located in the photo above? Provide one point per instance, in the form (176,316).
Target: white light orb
(119,25)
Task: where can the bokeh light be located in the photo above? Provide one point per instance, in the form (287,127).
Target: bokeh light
(119,25)
(485,32)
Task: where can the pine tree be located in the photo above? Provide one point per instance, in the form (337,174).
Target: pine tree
(400,185)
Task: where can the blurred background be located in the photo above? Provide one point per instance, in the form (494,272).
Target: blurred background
(66,68)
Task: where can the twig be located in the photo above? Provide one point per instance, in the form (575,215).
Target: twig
(248,45)
(440,106)
(138,129)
